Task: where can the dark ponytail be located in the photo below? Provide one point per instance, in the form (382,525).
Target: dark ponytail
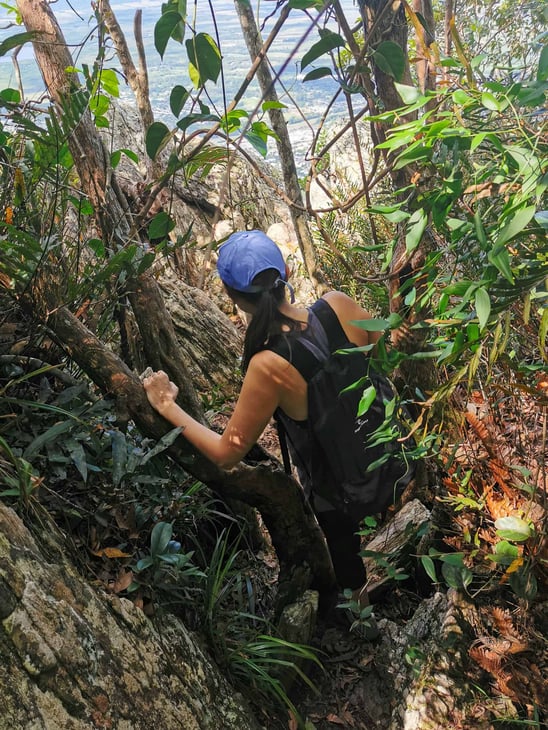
(267,320)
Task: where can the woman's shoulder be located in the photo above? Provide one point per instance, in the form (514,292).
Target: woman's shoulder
(266,362)
(348,312)
(342,303)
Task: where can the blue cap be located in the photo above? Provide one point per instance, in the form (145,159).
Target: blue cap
(244,255)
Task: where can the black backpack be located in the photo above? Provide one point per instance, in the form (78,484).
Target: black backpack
(357,462)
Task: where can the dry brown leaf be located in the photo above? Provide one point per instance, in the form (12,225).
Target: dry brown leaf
(480,429)
(335,719)
(503,621)
(292,723)
(110,553)
(487,659)
(125,519)
(122,583)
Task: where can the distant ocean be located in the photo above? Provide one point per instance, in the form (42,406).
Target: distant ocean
(78,24)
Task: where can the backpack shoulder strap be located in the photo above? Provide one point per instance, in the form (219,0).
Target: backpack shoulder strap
(298,355)
(330,322)
(292,350)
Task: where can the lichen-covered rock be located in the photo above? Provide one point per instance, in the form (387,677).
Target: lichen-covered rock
(210,342)
(74,658)
(430,668)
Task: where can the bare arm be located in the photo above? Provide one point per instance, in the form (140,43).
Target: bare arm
(258,399)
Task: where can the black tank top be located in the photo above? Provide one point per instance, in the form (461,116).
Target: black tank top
(314,338)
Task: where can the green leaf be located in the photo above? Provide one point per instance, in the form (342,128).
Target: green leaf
(258,142)
(191,119)
(528,163)
(11,96)
(513,528)
(99,104)
(543,330)
(461,97)
(515,225)
(16,40)
(454,572)
(477,139)
(177,99)
(430,568)
(159,538)
(97,246)
(542,73)
(164,30)
(144,563)
(14,492)
(78,457)
(483,306)
(305,4)
(82,205)
(273,105)
(109,83)
(490,102)
(117,156)
(318,73)
(146,262)
(480,231)
(180,7)
(409,94)
(524,583)
(416,226)
(49,436)
(164,443)
(367,400)
(390,58)
(157,136)
(327,43)
(456,559)
(160,226)
(258,135)
(533,94)
(416,151)
(501,259)
(372,325)
(119,455)
(410,298)
(505,553)
(101,122)
(204,59)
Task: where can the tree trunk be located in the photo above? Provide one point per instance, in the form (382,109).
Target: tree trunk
(254,45)
(386,21)
(426,70)
(88,152)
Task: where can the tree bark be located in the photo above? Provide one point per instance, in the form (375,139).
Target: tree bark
(137,78)
(254,45)
(87,150)
(387,21)
(426,70)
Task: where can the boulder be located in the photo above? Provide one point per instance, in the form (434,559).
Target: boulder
(73,657)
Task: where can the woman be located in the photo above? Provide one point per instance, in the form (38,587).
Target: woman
(254,273)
